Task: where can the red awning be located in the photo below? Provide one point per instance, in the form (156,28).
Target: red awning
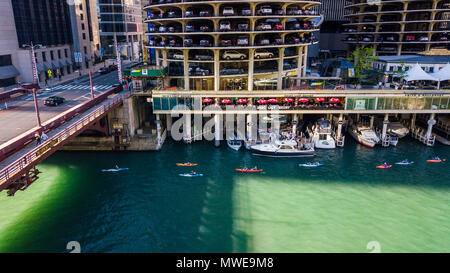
(288,99)
(242,100)
(262,101)
(226,101)
(303,100)
(208,100)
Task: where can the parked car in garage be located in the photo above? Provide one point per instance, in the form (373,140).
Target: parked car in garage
(263,54)
(233,54)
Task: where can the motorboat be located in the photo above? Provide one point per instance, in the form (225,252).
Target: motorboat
(397,128)
(283,148)
(323,135)
(364,135)
(234,143)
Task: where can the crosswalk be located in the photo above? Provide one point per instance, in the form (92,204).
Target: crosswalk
(80,87)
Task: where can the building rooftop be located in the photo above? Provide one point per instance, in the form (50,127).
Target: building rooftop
(423,59)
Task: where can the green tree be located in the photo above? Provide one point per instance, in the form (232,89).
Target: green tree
(362,59)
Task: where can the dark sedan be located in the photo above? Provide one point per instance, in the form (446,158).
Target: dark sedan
(54,101)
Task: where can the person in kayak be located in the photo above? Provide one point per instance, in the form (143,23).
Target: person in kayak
(385,165)
(405,161)
(255,168)
(117,167)
(437,158)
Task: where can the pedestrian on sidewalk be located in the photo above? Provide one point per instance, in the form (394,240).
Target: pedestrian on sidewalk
(38,139)
(44,137)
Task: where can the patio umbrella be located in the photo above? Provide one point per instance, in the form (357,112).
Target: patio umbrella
(226,101)
(288,99)
(319,99)
(334,100)
(262,101)
(273,100)
(242,100)
(207,100)
(303,100)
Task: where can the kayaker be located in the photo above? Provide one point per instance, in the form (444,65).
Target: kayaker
(437,158)
(405,161)
(117,167)
(385,165)
(255,168)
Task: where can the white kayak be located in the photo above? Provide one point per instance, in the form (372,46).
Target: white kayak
(190,175)
(311,165)
(115,170)
(404,163)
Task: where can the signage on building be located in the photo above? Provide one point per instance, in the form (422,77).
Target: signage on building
(360,105)
(78,57)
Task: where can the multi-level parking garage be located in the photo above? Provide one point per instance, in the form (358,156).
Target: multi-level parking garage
(231,44)
(399,27)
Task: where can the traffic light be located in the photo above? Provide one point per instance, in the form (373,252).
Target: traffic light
(49,73)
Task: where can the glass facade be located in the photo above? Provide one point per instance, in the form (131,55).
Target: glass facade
(45,22)
(398,103)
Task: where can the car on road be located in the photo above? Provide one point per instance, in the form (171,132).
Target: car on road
(104,70)
(54,101)
(233,54)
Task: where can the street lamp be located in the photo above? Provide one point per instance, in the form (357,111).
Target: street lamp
(33,60)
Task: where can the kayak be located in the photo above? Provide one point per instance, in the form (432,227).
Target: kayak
(436,161)
(248,171)
(115,170)
(186,164)
(404,163)
(311,165)
(383,167)
(190,175)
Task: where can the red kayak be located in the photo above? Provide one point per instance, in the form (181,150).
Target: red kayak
(248,171)
(384,167)
(436,161)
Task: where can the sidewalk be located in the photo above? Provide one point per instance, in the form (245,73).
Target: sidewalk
(71,77)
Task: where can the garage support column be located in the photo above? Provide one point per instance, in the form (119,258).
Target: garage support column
(186,69)
(280,69)
(216,70)
(251,61)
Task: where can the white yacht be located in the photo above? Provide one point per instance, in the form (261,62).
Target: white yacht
(364,135)
(285,148)
(234,143)
(397,128)
(323,135)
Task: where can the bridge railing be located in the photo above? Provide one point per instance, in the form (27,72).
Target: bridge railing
(47,147)
(17,143)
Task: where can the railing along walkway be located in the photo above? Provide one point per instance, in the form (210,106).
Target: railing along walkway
(31,155)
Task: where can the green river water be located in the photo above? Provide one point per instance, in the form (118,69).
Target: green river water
(339,207)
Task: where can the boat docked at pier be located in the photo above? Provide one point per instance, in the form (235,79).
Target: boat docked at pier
(396,128)
(234,143)
(283,148)
(323,135)
(364,135)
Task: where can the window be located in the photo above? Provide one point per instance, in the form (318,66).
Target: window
(44,57)
(431,69)
(82,26)
(65,53)
(84,36)
(81,6)
(85,50)
(81,17)
(52,57)
(5,60)
(59,53)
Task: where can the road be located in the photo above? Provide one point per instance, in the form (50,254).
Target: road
(20,115)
